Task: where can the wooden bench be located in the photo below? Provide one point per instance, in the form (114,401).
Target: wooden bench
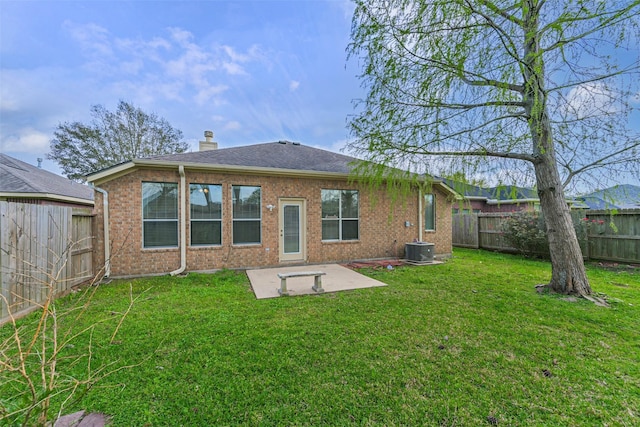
(317,280)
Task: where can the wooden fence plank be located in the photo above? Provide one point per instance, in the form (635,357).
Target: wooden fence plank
(41,245)
(5,279)
(608,237)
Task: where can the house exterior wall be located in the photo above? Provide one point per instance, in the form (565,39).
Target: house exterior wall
(382,230)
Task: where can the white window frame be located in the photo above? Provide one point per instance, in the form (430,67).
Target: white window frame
(235,220)
(206,220)
(340,219)
(157,220)
(429,206)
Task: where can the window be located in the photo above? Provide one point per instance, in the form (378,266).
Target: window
(246,214)
(206,214)
(340,215)
(429,212)
(159,214)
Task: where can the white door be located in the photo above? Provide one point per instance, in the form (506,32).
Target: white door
(292,230)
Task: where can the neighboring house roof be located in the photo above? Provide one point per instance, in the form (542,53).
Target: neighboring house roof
(273,158)
(504,194)
(22,180)
(625,196)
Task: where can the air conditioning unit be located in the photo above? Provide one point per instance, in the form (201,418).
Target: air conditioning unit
(419,252)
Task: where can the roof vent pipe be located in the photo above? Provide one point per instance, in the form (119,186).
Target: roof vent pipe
(208,143)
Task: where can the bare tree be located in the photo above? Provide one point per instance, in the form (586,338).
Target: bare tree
(36,366)
(534,91)
(112,138)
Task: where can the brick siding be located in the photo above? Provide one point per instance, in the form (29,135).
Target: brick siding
(382,232)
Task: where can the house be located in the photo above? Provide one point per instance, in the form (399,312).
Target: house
(24,183)
(260,205)
(625,196)
(505,198)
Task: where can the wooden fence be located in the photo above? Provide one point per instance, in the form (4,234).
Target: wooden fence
(607,236)
(41,246)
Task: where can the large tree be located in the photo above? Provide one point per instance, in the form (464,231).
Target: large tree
(112,137)
(522,88)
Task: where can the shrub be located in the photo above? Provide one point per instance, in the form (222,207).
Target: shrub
(525,231)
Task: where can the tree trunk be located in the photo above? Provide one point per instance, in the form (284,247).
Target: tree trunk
(568,275)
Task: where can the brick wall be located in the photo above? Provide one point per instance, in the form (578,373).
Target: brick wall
(382,226)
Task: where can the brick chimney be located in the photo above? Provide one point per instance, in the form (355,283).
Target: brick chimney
(208,143)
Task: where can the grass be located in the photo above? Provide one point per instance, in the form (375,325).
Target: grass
(446,345)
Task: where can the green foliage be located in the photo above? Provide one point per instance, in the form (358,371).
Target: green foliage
(47,361)
(480,83)
(112,138)
(449,344)
(526,232)
(499,89)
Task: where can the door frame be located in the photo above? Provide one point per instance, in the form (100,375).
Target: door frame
(302,204)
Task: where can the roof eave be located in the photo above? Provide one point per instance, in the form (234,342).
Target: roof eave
(447,188)
(511,201)
(125,168)
(114,172)
(47,196)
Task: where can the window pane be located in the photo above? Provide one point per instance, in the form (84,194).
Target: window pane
(246,202)
(340,213)
(429,212)
(160,234)
(291,229)
(349,204)
(205,201)
(330,203)
(246,232)
(159,200)
(350,230)
(206,232)
(330,229)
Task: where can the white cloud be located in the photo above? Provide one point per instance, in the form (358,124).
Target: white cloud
(294,85)
(173,67)
(26,140)
(337,146)
(232,125)
(590,99)
(235,56)
(92,38)
(210,94)
(233,68)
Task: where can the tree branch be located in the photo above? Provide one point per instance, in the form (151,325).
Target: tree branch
(619,15)
(599,162)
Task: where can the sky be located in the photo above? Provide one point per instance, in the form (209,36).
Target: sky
(250,71)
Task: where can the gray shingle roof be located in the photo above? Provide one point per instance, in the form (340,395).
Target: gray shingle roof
(625,196)
(502,193)
(277,155)
(20,177)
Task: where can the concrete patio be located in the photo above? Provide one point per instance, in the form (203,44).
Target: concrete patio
(265,282)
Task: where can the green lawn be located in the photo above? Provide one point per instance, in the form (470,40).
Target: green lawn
(444,345)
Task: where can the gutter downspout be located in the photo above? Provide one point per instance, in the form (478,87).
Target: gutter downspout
(183,223)
(105,218)
(420,215)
